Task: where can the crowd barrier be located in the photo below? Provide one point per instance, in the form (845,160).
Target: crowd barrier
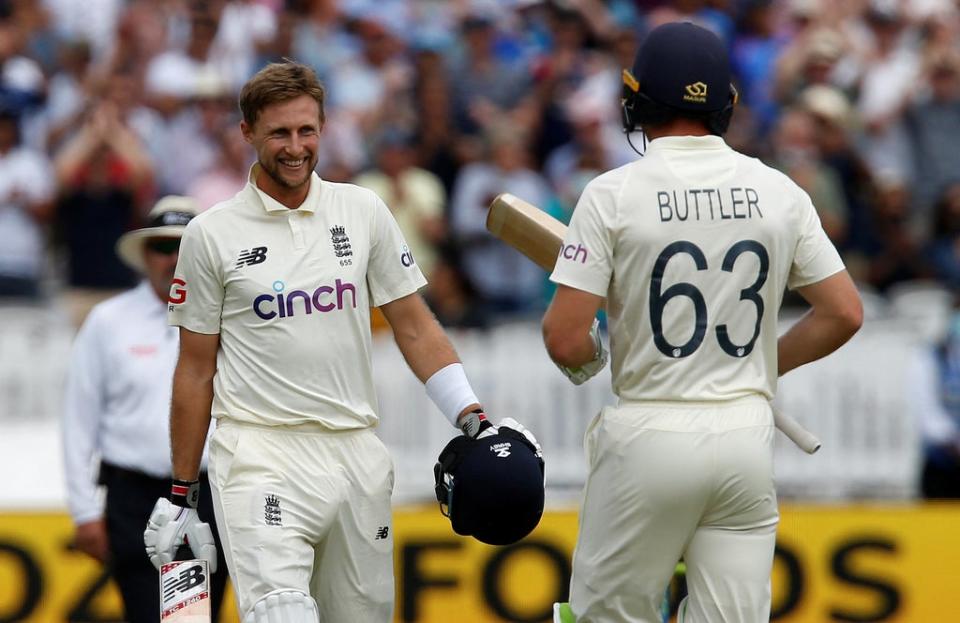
(857,402)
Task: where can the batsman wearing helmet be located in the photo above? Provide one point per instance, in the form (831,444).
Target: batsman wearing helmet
(692,247)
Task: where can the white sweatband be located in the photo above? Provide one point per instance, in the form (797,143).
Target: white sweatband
(450,390)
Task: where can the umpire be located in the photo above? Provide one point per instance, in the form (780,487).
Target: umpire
(116,409)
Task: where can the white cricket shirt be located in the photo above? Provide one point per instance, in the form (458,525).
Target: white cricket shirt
(117,401)
(289,292)
(693,246)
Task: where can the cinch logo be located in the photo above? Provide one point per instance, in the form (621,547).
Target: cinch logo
(575,253)
(323,299)
(406,258)
(178,291)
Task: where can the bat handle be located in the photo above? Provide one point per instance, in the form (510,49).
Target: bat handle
(804,439)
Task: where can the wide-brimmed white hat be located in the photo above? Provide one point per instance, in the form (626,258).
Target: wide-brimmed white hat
(167,219)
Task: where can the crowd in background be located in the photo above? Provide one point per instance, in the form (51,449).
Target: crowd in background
(439,105)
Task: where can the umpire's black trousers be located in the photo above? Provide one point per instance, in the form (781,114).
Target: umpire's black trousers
(130,499)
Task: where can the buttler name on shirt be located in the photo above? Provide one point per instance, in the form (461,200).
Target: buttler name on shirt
(708,204)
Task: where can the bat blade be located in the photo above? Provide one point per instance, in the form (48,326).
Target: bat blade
(526,228)
(185,592)
(539,236)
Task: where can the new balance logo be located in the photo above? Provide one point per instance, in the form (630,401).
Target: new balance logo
(187,579)
(382,533)
(502,450)
(249,257)
(271,510)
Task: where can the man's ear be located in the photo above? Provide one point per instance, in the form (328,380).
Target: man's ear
(247,131)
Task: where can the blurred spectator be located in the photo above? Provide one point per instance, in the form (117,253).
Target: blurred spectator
(452,296)
(26,198)
(835,123)
(320,38)
(944,248)
(415,196)
(795,152)
(246,28)
(435,128)
(484,87)
(22,81)
(103,176)
(809,61)
(507,282)
(933,126)
(598,145)
(934,393)
(754,53)
(93,21)
(888,81)
(228,174)
(67,94)
(892,249)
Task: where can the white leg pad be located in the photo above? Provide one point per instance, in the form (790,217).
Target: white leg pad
(284,605)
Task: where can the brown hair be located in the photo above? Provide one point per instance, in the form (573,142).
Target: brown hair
(279,82)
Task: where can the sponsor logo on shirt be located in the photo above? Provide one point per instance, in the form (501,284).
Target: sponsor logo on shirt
(249,257)
(406,258)
(324,299)
(576,253)
(143,350)
(178,292)
(382,533)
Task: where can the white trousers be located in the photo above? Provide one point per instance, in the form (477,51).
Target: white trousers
(670,480)
(304,508)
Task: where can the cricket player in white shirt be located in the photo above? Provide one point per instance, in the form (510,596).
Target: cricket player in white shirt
(116,409)
(272,296)
(692,247)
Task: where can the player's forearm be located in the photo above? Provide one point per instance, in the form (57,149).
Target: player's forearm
(425,348)
(816,335)
(189,421)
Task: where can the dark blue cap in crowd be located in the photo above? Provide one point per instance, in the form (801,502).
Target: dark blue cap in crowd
(492,487)
(684,66)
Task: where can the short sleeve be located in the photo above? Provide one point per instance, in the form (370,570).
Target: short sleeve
(392,272)
(196,294)
(586,257)
(815,257)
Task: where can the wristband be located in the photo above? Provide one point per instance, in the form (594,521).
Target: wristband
(450,390)
(185,493)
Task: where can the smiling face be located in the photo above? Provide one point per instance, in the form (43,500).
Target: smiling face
(285,136)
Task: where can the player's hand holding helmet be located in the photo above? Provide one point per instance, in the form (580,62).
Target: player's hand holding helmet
(174,522)
(580,375)
(491,485)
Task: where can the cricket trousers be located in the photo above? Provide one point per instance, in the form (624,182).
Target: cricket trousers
(306,508)
(677,480)
(131,496)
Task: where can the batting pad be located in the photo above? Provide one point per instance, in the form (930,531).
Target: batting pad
(283,606)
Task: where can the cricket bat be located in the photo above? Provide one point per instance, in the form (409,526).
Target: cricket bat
(185,592)
(539,236)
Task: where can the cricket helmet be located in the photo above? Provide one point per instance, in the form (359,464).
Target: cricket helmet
(491,488)
(680,69)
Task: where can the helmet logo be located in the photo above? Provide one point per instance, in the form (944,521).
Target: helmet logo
(502,449)
(696,92)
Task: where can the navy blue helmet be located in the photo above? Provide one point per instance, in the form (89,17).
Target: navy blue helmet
(491,488)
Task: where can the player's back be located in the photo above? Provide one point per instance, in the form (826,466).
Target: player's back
(702,242)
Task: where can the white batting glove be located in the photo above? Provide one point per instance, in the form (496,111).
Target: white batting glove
(580,375)
(170,526)
(509,422)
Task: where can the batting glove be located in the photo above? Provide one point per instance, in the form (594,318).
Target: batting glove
(173,523)
(509,422)
(580,375)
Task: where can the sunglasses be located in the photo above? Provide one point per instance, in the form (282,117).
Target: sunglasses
(164,246)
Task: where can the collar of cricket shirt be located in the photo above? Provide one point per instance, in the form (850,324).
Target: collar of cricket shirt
(272,205)
(688,142)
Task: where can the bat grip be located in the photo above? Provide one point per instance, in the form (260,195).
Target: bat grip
(804,439)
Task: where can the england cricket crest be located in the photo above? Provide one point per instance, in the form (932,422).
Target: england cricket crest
(185,592)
